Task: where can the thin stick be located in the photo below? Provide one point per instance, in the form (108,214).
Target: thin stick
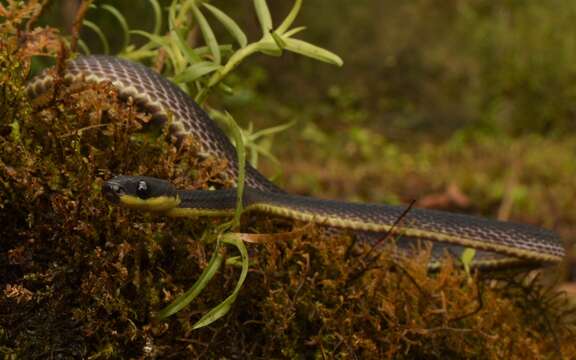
(35,17)
(370,260)
(389,232)
(77,24)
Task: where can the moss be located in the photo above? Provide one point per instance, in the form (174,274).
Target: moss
(82,279)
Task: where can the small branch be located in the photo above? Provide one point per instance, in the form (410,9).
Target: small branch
(77,24)
(35,17)
(371,259)
(389,232)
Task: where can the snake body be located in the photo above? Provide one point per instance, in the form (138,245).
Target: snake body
(163,100)
(498,243)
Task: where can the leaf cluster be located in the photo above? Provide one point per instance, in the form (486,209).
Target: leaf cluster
(199,69)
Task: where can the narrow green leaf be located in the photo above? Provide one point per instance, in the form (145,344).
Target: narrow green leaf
(196,71)
(122,21)
(290,18)
(82,45)
(208,34)
(312,51)
(105,45)
(272,130)
(215,313)
(467,258)
(181,301)
(158,40)
(149,49)
(177,12)
(294,31)
(264,17)
(178,55)
(204,50)
(172,15)
(223,308)
(190,53)
(229,24)
(157,16)
(241,153)
(185,6)
(226,89)
(137,55)
(257,150)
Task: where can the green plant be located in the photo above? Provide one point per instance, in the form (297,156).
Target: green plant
(200,69)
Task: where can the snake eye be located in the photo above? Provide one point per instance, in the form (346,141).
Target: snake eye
(142,190)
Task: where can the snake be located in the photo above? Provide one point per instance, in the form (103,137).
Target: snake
(497,244)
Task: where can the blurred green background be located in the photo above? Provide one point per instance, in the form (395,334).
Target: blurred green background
(465,105)
(431,67)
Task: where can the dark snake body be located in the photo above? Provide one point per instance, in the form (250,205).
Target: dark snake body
(494,239)
(159,97)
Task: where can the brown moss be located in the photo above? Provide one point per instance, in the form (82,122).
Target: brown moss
(81,278)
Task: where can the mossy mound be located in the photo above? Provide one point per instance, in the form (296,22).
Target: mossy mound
(82,279)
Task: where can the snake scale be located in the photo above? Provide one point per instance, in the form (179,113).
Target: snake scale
(498,244)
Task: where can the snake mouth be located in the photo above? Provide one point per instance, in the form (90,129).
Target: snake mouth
(112,191)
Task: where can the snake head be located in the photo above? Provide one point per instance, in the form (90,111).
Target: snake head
(141,192)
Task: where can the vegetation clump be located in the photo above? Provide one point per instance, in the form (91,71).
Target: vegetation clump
(82,279)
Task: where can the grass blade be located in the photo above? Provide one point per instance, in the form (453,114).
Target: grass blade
(290,18)
(157,16)
(196,71)
(181,301)
(272,130)
(158,40)
(467,258)
(172,15)
(122,21)
(208,34)
(294,31)
(312,51)
(223,308)
(82,45)
(241,153)
(178,53)
(191,55)
(256,150)
(229,24)
(105,45)
(264,17)
(204,50)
